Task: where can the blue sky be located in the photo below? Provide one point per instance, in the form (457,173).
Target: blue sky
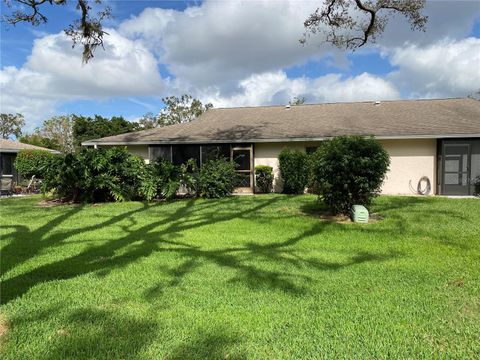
(229,53)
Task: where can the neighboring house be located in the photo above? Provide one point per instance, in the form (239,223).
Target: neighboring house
(8,153)
(437,139)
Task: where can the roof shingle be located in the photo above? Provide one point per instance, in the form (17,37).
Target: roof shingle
(15,146)
(388,119)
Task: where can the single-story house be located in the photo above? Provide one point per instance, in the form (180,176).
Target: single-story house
(438,140)
(8,153)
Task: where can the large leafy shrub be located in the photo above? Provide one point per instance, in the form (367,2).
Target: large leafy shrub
(190,177)
(294,169)
(171,178)
(168,178)
(264,178)
(349,170)
(33,162)
(95,175)
(217,178)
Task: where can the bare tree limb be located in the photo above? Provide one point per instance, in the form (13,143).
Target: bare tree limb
(350,24)
(87,31)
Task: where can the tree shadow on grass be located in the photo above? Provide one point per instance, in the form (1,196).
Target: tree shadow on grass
(163,236)
(209,344)
(101,334)
(141,242)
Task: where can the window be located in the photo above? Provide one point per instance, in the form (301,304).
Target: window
(182,153)
(163,152)
(210,152)
(311,149)
(7,164)
(242,159)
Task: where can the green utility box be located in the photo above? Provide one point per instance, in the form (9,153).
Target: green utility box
(359,214)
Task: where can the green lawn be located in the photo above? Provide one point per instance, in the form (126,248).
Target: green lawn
(246,277)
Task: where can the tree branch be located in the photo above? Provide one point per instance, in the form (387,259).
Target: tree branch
(341,20)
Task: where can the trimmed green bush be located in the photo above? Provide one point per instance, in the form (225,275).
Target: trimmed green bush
(349,170)
(295,170)
(33,162)
(217,178)
(264,178)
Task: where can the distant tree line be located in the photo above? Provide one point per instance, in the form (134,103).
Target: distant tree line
(66,133)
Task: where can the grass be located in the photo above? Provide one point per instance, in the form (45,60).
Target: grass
(244,277)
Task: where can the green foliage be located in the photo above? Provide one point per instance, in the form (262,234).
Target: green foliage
(37,139)
(148,183)
(59,130)
(11,124)
(87,128)
(476,184)
(56,133)
(168,178)
(297,100)
(349,170)
(294,169)
(180,110)
(264,178)
(171,178)
(33,162)
(217,178)
(190,177)
(97,175)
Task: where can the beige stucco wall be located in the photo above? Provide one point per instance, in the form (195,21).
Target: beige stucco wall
(140,150)
(410,160)
(267,154)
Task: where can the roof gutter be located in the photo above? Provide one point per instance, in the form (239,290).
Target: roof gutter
(18,150)
(302,139)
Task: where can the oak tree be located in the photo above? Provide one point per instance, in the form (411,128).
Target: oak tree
(350,24)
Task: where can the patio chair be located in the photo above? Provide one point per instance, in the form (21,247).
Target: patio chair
(6,186)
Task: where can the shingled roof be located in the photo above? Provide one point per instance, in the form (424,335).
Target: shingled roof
(386,119)
(15,146)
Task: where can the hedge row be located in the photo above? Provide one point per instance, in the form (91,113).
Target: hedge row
(114,174)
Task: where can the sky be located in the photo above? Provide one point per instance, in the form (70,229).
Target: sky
(229,53)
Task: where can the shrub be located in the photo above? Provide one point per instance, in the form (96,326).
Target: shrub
(264,177)
(190,177)
(294,168)
(148,183)
(168,178)
(349,170)
(217,178)
(476,184)
(33,162)
(95,175)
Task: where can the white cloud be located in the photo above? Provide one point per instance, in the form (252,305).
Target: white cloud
(446,68)
(219,43)
(54,73)
(235,53)
(277,88)
(446,18)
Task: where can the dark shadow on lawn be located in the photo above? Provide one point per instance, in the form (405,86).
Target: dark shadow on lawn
(103,258)
(101,334)
(163,236)
(209,344)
